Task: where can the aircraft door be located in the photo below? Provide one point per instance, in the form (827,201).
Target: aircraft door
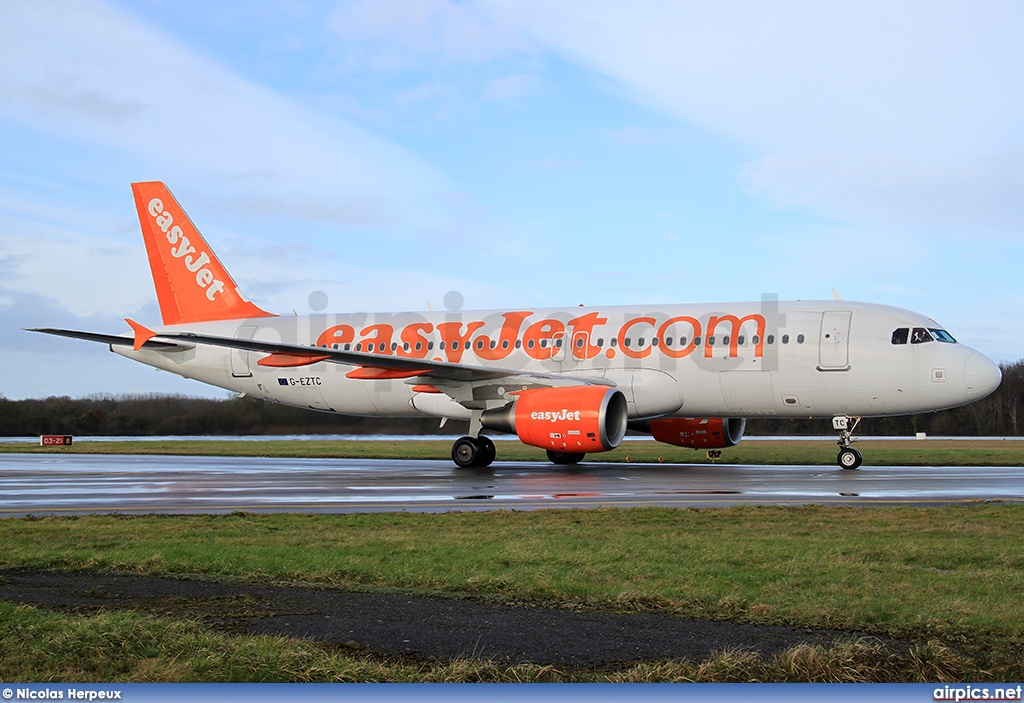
(834,341)
(240,357)
(580,345)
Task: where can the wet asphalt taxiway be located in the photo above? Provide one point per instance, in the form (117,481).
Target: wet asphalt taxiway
(55,484)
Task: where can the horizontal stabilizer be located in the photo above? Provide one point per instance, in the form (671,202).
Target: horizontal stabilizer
(114,339)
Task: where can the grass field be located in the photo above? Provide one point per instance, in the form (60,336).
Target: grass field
(949,579)
(910,452)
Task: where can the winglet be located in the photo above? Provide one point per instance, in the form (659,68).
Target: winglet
(191,283)
(142,333)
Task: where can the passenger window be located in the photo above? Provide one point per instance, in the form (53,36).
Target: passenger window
(900,335)
(711,340)
(740,340)
(920,335)
(785,339)
(696,341)
(799,339)
(771,339)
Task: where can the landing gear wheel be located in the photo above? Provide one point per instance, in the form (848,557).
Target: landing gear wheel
(468,452)
(564,457)
(487,451)
(465,452)
(849,458)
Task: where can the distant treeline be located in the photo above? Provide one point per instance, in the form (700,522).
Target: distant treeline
(1001,414)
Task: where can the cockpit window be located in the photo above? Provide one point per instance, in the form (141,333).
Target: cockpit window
(920,335)
(942,335)
(900,335)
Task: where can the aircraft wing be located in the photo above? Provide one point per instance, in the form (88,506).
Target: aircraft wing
(370,366)
(111,339)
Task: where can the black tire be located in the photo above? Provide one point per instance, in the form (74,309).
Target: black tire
(849,459)
(564,457)
(466,452)
(487,451)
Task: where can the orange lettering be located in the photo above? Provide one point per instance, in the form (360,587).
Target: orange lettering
(537,333)
(736,323)
(455,342)
(412,335)
(382,340)
(582,331)
(688,349)
(339,334)
(629,351)
(506,338)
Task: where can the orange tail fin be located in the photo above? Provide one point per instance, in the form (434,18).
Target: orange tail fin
(192,284)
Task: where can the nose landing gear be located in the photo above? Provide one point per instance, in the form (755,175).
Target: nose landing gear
(849,458)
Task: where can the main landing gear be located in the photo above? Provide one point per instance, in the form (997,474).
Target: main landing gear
(849,458)
(478,452)
(475,452)
(564,457)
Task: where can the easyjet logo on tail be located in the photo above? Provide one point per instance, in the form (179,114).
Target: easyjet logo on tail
(184,249)
(191,284)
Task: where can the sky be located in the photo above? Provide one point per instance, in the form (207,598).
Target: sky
(379,154)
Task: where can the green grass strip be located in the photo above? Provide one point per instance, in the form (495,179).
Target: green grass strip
(749,451)
(38,646)
(951,572)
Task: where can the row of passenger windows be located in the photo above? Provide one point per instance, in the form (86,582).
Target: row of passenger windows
(681,342)
(920,335)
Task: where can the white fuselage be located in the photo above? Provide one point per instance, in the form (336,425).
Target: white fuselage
(768,359)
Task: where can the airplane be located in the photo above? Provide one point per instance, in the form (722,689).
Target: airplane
(568,380)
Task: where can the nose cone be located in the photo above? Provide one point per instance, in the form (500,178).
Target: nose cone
(981,376)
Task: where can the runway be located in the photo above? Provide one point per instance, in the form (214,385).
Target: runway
(54,484)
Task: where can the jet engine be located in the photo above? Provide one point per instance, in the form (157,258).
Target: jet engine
(695,432)
(571,420)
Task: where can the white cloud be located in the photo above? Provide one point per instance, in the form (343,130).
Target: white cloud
(393,35)
(876,109)
(85,70)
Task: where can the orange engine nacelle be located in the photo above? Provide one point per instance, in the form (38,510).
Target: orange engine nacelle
(698,432)
(576,419)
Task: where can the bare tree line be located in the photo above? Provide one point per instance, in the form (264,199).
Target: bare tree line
(1001,414)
